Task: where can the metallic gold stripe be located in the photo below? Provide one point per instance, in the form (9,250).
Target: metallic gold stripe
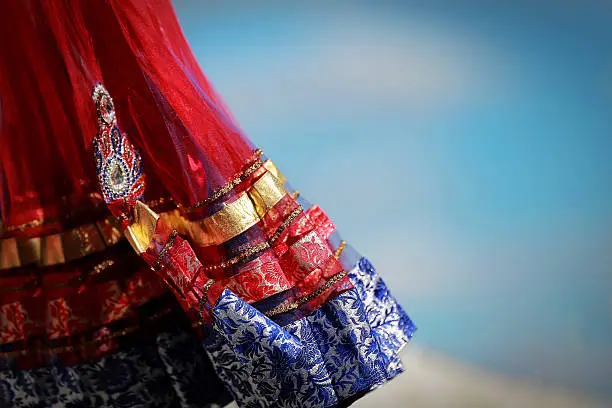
(109,231)
(266,193)
(9,255)
(340,249)
(52,250)
(29,250)
(59,248)
(271,167)
(288,306)
(240,215)
(234,219)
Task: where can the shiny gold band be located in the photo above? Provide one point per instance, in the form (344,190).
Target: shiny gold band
(266,193)
(240,215)
(271,167)
(59,248)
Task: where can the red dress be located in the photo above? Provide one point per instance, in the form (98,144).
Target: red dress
(246,293)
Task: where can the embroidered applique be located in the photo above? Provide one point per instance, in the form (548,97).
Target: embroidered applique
(118,163)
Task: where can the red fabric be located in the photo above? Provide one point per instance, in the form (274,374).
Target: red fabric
(52,54)
(63,312)
(300,261)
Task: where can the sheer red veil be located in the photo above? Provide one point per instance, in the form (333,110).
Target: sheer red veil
(55,52)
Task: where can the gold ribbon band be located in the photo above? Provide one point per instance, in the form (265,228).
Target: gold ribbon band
(59,248)
(266,193)
(240,215)
(271,167)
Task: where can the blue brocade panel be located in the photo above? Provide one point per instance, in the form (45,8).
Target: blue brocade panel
(346,348)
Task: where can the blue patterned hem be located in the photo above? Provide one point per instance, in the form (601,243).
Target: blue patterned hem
(347,347)
(170,371)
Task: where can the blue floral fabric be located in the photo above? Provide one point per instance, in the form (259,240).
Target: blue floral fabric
(347,347)
(171,371)
(343,350)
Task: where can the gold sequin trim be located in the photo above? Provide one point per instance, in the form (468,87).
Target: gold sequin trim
(286,223)
(340,249)
(31,224)
(166,248)
(288,306)
(102,266)
(232,183)
(95,197)
(207,286)
(159,202)
(243,255)
(199,323)
(37,223)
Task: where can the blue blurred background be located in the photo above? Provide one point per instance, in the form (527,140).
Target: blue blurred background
(465,148)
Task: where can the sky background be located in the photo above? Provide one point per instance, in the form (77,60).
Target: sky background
(466,150)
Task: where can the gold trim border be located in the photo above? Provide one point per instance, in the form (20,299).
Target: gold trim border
(59,248)
(232,220)
(240,215)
